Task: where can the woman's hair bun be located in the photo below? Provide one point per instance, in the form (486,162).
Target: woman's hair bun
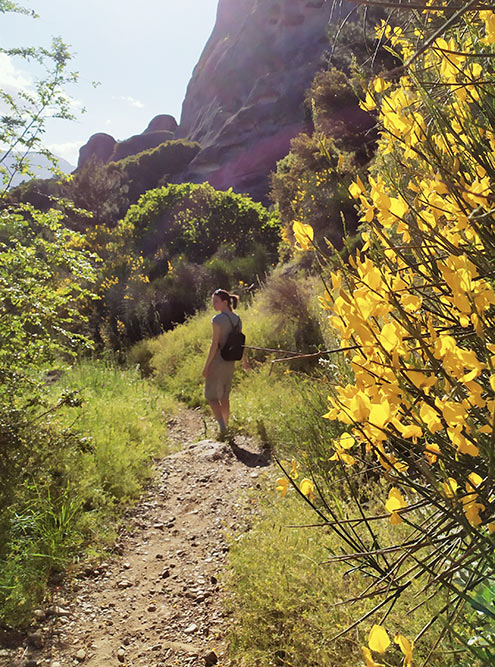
(232,299)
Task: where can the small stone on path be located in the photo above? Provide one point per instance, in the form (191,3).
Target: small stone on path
(191,628)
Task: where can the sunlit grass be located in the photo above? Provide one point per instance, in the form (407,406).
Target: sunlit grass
(286,602)
(86,464)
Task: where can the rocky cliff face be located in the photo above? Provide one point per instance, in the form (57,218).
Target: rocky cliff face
(244,102)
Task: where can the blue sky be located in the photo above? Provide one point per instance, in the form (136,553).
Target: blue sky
(141,53)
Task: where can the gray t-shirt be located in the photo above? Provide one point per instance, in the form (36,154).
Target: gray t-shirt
(226,322)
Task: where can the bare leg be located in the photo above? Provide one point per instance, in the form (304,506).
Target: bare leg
(225,408)
(217,411)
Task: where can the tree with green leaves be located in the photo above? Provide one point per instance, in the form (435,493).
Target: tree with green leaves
(26,111)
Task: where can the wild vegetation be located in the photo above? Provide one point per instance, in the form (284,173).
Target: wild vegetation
(415,309)
(385,436)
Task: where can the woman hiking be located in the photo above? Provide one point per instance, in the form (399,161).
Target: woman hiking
(217,371)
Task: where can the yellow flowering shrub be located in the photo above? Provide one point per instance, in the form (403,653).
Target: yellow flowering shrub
(415,309)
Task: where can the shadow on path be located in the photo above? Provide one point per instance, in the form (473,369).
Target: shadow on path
(251,459)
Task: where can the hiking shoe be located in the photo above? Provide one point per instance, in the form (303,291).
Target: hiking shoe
(222,436)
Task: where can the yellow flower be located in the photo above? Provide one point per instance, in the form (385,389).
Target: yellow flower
(304,235)
(430,417)
(282,485)
(472,511)
(395,502)
(406,647)
(474,480)
(307,488)
(293,470)
(346,441)
(368,658)
(378,640)
(380,414)
(489,18)
(357,188)
(450,487)
(431,452)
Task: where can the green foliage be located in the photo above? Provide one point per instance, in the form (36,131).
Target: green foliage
(337,116)
(418,302)
(95,188)
(352,44)
(151,168)
(43,280)
(42,194)
(25,112)
(171,251)
(178,356)
(84,458)
(124,417)
(140,142)
(195,220)
(278,318)
(311,182)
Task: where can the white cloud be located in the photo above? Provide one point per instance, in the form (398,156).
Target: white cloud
(69,151)
(130,100)
(11,77)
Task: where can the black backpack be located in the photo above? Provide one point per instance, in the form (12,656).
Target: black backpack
(234,345)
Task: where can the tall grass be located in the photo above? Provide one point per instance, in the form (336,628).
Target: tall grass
(123,418)
(85,463)
(287,604)
(282,316)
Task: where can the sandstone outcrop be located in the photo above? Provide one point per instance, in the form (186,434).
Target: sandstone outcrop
(105,148)
(161,123)
(100,145)
(244,102)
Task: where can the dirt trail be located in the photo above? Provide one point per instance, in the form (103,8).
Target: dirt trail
(160,602)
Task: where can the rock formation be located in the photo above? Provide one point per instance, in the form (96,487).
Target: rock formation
(244,102)
(100,145)
(103,146)
(162,123)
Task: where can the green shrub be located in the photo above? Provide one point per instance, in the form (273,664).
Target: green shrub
(150,168)
(139,143)
(196,220)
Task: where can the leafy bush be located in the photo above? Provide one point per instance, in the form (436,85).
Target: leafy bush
(139,143)
(169,254)
(196,220)
(96,189)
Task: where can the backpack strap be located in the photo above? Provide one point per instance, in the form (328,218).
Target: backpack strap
(236,326)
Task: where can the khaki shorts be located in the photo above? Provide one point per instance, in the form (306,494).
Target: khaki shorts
(219,381)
